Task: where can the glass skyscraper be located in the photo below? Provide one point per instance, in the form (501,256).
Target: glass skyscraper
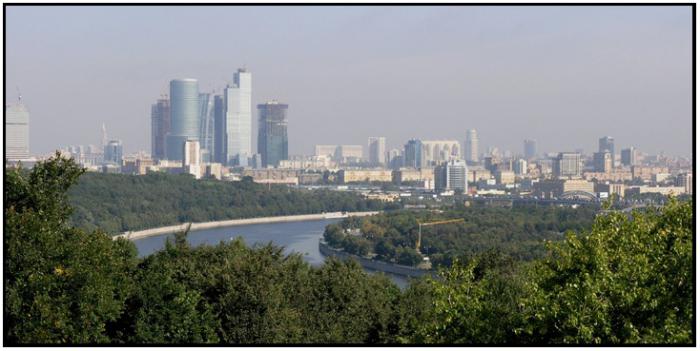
(219,130)
(206,125)
(530,148)
(184,116)
(16,131)
(239,118)
(607,143)
(113,152)
(272,133)
(160,127)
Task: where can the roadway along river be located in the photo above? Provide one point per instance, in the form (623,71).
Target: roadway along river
(300,237)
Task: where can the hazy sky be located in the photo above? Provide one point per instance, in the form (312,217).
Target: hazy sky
(564,76)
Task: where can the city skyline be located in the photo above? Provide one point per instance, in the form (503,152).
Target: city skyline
(645,88)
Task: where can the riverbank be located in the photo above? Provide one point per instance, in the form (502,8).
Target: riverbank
(374,264)
(135,235)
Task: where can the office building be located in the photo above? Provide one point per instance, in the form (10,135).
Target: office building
(160,127)
(530,149)
(602,162)
(554,188)
(412,154)
(395,158)
(239,118)
(184,116)
(364,175)
(191,161)
(607,144)
(685,180)
(272,133)
(325,150)
(219,153)
(377,151)
(629,157)
(114,152)
(348,154)
(567,165)
(206,126)
(472,146)
(504,177)
(16,131)
(520,167)
(451,175)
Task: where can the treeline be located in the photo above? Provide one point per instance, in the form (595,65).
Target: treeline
(117,202)
(629,280)
(519,232)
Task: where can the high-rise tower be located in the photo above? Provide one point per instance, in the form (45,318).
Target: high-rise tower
(530,148)
(607,143)
(184,116)
(472,146)
(206,126)
(16,131)
(239,118)
(272,133)
(377,151)
(160,126)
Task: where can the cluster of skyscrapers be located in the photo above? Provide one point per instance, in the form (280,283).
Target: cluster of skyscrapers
(211,134)
(219,126)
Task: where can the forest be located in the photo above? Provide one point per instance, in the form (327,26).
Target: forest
(519,232)
(117,203)
(629,279)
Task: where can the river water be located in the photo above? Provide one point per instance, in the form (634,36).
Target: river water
(299,237)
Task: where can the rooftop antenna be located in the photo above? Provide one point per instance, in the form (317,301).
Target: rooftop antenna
(19,95)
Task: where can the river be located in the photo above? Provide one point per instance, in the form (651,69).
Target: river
(300,237)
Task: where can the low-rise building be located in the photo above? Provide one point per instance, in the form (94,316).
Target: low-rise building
(412,175)
(505,177)
(618,176)
(557,187)
(476,174)
(663,190)
(611,189)
(646,173)
(364,175)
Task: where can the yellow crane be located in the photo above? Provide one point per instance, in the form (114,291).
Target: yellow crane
(420,228)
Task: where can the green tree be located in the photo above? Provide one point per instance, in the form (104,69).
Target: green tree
(629,281)
(62,285)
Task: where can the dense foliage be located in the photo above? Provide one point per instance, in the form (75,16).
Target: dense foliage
(518,232)
(629,280)
(119,202)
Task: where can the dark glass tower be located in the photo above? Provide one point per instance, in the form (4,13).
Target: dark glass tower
(219,130)
(272,133)
(160,127)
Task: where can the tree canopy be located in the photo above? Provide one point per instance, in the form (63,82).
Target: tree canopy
(627,280)
(118,202)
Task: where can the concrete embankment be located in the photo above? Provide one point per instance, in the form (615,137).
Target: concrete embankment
(374,264)
(234,222)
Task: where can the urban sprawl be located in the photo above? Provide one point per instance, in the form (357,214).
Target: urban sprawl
(209,135)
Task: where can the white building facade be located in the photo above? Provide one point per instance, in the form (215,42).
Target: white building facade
(16,131)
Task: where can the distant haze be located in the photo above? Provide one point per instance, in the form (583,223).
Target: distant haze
(564,76)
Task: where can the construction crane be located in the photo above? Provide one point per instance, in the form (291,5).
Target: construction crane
(420,228)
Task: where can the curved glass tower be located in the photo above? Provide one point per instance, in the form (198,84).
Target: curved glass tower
(184,116)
